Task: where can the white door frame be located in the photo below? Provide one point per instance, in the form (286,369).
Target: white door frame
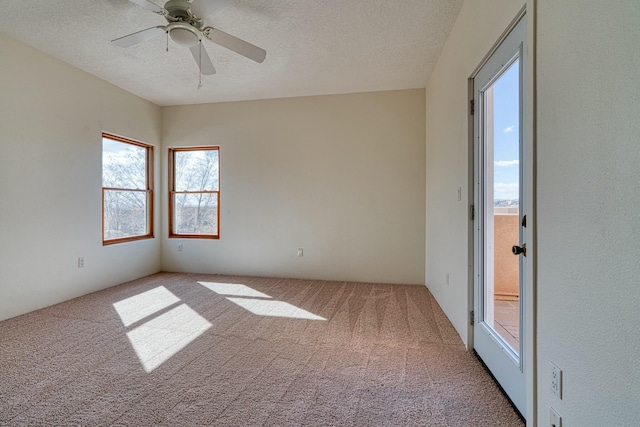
(530,233)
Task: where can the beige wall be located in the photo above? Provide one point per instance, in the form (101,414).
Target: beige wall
(478,27)
(52,116)
(341,176)
(588,209)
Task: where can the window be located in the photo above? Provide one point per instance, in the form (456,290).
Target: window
(194,192)
(127,190)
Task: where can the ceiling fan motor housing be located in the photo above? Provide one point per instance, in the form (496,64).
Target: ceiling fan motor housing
(178,9)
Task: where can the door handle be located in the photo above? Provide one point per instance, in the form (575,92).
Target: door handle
(517,250)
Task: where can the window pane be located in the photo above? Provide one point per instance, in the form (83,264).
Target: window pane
(501,112)
(125,214)
(195,213)
(196,170)
(123,165)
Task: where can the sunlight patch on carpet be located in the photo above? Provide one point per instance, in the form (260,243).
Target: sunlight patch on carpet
(157,340)
(137,307)
(273,308)
(257,302)
(233,289)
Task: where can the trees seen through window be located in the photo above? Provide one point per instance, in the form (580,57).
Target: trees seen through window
(194,194)
(127,190)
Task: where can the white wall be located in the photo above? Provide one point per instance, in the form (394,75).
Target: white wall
(340,176)
(588,139)
(477,29)
(51,117)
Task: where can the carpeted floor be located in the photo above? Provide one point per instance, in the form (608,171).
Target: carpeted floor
(186,349)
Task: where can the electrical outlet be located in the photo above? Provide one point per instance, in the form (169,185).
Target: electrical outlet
(459,194)
(556,381)
(179,247)
(300,252)
(555,420)
(447,278)
(81,262)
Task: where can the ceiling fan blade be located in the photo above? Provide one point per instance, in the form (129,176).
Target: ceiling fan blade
(139,37)
(148,5)
(205,8)
(235,44)
(198,51)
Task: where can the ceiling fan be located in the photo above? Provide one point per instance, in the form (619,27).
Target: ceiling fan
(186,27)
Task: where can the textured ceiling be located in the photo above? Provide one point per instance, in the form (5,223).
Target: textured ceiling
(314,47)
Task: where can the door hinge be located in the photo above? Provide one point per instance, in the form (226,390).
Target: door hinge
(472,212)
(472,107)
(472,318)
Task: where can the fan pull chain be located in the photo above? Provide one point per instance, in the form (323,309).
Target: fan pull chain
(167,33)
(200,64)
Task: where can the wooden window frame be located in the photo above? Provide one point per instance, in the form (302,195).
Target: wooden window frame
(173,192)
(148,191)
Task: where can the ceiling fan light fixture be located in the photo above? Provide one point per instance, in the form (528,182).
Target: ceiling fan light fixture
(183,34)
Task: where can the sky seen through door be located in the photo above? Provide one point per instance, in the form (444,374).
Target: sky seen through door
(506,94)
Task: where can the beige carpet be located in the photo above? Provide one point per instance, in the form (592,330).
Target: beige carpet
(182,349)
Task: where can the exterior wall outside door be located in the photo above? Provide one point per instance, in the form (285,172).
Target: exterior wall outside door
(505,263)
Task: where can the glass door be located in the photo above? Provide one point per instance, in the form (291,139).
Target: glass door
(499,248)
